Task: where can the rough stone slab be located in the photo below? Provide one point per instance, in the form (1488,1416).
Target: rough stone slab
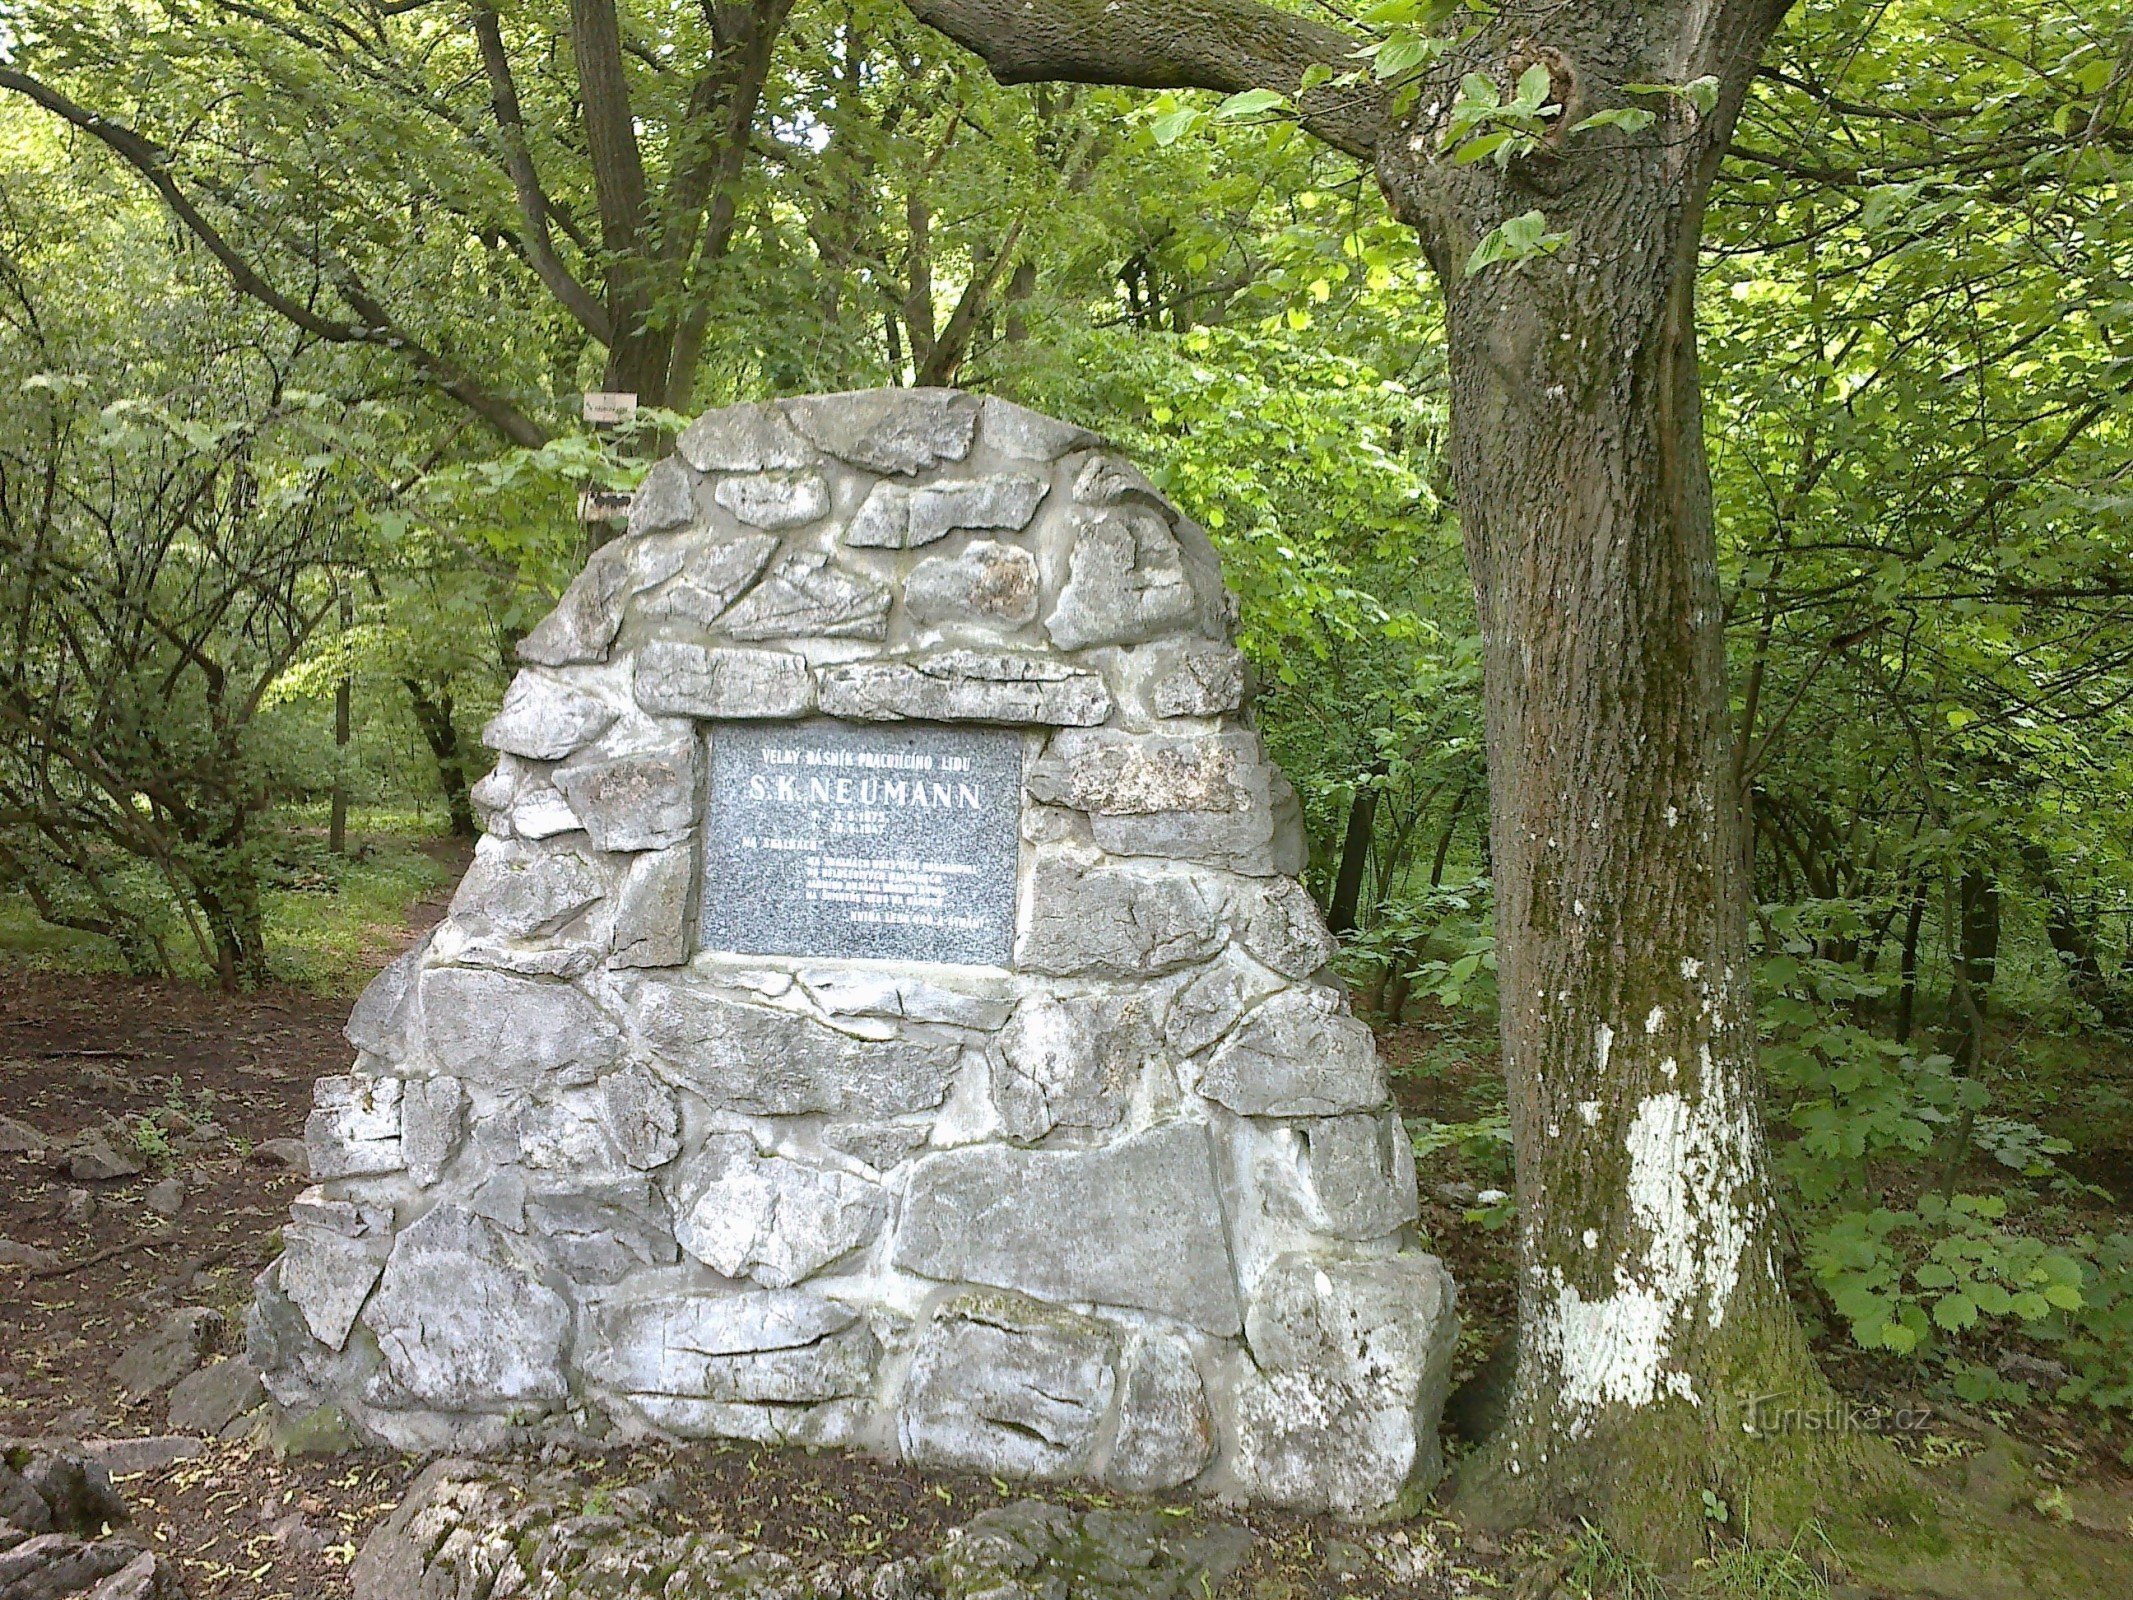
(665,499)
(651,910)
(881,1145)
(967,686)
(1297,1055)
(782,1346)
(1018,431)
(1192,678)
(985,582)
(329,1274)
(1070,1060)
(889,430)
(585,621)
(774,500)
(1210,798)
(542,813)
(218,1394)
(1284,929)
(19,1138)
(552,1027)
(1007,1386)
(433,1124)
(640,1117)
(379,1023)
(1147,1226)
(868,992)
(710,575)
(517,891)
(777,1221)
(1115,921)
(354,1127)
(1166,1430)
(1211,1001)
(688,680)
(805,597)
(171,1350)
(1361,1175)
(744,438)
(640,800)
(461,1325)
(1125,581)
(893,517)
(93,1158)
(602,1234)
(766,1062)
(1112,480)
(543,721)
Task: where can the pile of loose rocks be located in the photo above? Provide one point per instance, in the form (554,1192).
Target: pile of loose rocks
(63,1531)
(1128,1201)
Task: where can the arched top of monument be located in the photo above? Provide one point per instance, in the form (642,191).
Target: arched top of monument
(903,553)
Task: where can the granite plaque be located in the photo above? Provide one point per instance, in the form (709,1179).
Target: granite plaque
(893,842)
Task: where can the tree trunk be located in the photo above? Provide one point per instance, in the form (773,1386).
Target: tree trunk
(337,820)
(441,733)
(1355,849)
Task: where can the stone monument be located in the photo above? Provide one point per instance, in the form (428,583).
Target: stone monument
(882,1011)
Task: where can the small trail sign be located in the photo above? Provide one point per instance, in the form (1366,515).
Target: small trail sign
(605,409)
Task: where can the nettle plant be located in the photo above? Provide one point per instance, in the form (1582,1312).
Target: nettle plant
(1913,1264)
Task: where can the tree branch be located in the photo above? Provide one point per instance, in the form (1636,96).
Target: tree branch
(1225,45)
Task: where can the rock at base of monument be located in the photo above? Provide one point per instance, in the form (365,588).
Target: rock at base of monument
(553,1027)
(775,1220)
(217,1395)
(637,800)
(1166,1431)
(1030,1548)
(1004,1384)
(174,1348)
(762,1346)
(1297,1055)
(543,721)
(1123,921)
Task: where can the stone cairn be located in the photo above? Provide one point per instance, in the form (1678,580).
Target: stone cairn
(1121,1197)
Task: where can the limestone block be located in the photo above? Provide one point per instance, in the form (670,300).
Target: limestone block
(542,813)
(712,574)
(1355,1357)
(966,686)
(764,1345)
(509,1032)
(464,1326)
(984,582)
(329,1275)
(1283,928)
(640,1117)
(638,800)
(1018,431)
(433,1124)
(354,1127)
(1297,1055)
(1126,921)
(1125,580)
(774,500)
(1070,1059)
(744,438)
(1003,1385)
(1147,1227)
(519,891)
(1359,1175)
(384,1012)
(867,992)
(1191,678)
(543,721)
(1210,798)
(881,1145)
(602,1233)
(652,908)
(688,680)
(889,430)
(1209,1001)
(803,596)
(763,1061)
(1166,1430)
(746,1215)
(1109,480)
(665,499)
(897,518)
(585,621)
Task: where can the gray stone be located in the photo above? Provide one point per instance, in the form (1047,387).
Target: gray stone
(1209,1002)
(585,621)
(517,891)
(760,1346)
(1030,1549)
(508,1032)
(1360,1175)
(1147,1227)
(1210,798)
(881,1145)
(889,430)
(433,1124)
(1354,1359)
(462,1326)
(766,1062)
(692,681)
(19,1138)
(1069,1060)
(774,500)
(967,686)
(1297,1055)
(637,800)
(1125,581)
(651,910)
(354,1127)
(169,1352)
(805,597)
(218,1394)
(1109,480)
(639,1116)
(1284,930)
(745,438)
(165,1198)
(897,518)
(543,721)
(124,1458)
(883,520)
(15,1254)
(602,1234)
(1166,1431)
(777,1221)
(1001,1384)
(1192,678)
(379,1023)
(541,812)
(711,575)
(665,499)
(1115,921)
(864,992)
(1018,431)
(93,1158)
(328,1274)
(984,582)
(287,1154)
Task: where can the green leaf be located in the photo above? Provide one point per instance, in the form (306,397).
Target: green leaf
(1953,1311)
(1402,53)
(1533,86)
(1482,148)
(1630,119)
(1250,103)
(1170,128)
